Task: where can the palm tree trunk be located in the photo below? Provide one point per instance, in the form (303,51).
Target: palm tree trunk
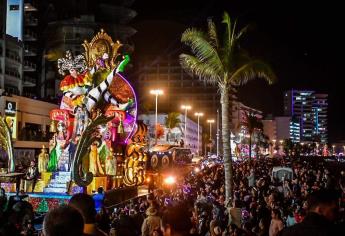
(226,143)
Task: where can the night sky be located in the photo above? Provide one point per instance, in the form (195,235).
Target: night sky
(301,41)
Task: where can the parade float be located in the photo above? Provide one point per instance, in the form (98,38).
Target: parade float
(96,139)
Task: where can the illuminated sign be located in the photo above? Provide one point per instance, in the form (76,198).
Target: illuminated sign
(11,117)
(10,108)
(14,18)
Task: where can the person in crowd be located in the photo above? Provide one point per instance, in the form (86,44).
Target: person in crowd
(176,221)
(63,221)
(235,214)
(152,221)
(86,206)
(322,212)
(276,223)
(99,198)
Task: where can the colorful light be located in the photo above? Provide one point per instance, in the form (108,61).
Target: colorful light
(170,180)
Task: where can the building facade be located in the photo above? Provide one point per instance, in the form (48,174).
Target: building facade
(175,135)
(320,107)
(179,87)
(310,109)
(11,65)
(17,48)
(31,59)
(29,122)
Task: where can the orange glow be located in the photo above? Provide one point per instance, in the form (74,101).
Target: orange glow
(170,180)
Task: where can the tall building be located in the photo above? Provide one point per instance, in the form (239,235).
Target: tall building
(11,65)
(295,130)
(31,53)
(17,53)
(179,87)
(320,106)
(281,128)
(309,109)
(175,135)
(239,111)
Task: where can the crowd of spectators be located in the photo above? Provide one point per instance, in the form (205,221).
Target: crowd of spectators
(311,203)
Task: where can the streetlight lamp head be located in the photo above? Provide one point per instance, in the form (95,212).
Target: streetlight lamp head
(156,92)
(199,114)
(210,121)
(186,107)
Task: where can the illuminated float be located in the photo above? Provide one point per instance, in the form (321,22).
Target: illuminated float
(96,140)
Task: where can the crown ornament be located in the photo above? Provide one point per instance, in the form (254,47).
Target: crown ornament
(70,62)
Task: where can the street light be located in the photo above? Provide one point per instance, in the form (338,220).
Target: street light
(199,114)
(185,108)
(211,122)
(156,92)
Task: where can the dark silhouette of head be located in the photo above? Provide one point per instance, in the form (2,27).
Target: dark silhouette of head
(85,205)
(176,221)
(324,202)
(64,220)
(100,190)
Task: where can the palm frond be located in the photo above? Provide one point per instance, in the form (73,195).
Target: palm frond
(203,70)
(242,32)
(252,70)
(212,33)
(227,42)
(202,48)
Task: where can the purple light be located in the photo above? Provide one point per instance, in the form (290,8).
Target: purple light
(136,108)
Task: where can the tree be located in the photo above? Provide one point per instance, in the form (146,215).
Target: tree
(288,146)
(159,130)
(172,121)
(223,64)
(252,123)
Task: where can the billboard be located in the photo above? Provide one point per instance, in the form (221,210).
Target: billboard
(14,18)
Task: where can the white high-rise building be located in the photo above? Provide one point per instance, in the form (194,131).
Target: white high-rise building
(175,135)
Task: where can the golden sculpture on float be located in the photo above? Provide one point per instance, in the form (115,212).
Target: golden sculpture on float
(100,46)
(136,157)
(43,159)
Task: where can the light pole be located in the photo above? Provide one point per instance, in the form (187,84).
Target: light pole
(156,92)
(185,108)
(199,114)
(210,122)
(273,146)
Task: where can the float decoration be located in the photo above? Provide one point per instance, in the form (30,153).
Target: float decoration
(98,113)
(136,157)
(6,143)
(89,136)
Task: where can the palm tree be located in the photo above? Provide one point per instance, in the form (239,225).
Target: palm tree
(172,121)
(221,63)
(252,124)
